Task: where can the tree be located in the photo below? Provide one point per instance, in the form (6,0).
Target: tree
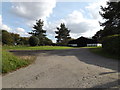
(62,34)
(111,14)
(24,41)
(7,38)
(33,41)
(16,38)
(38,31)
(47,41)
(98,36)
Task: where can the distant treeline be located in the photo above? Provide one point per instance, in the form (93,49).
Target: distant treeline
(9,38)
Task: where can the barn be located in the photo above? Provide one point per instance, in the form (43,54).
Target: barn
(83,42)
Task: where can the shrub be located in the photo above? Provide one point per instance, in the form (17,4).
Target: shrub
(33,41)
(24,41)
(7,38)
(111,44)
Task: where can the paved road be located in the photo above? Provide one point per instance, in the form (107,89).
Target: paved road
(75,68)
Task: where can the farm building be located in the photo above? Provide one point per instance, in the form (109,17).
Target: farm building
(83,42)
(92,45)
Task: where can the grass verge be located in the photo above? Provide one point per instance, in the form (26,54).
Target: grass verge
(101,52)
(11,62)
(36,48)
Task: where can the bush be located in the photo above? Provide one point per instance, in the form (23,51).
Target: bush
(7,38)
(111,44)
(33,41)
(24,41)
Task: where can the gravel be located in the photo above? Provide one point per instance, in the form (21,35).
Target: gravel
(74,68)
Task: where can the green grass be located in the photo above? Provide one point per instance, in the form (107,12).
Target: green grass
(99,51)
(11,62)
(92,47)
(36,48)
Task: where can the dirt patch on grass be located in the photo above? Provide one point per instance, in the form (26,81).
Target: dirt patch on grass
(27,55)
(31,59)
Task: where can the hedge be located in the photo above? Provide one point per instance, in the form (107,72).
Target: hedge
(111,44)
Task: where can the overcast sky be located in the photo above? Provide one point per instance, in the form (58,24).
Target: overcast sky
(80,16)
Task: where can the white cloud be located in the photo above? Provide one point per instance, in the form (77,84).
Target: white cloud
(75,35)
(94,8)
(32,11)
(21,31)
(84,26)
(51,27)
(75,16)
(3,26)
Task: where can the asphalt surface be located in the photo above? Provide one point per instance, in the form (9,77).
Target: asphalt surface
(75,68)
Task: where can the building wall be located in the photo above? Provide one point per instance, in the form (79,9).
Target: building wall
(92,45)
(74,45)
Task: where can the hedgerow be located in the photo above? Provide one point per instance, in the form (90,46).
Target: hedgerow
(111,44)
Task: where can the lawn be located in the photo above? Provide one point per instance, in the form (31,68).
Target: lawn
(99,51)
(36,48)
